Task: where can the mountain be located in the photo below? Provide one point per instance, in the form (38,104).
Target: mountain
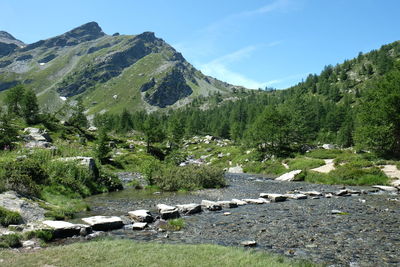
(107,72)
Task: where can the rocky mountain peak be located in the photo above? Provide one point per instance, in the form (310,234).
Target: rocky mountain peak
(86,32)
(7,38)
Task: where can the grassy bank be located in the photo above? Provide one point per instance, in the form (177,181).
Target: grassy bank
(129,253)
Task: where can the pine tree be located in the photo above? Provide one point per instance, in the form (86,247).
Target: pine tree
(30,107)
(13,99)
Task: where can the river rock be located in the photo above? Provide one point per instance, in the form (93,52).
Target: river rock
(256,200)
(311,193)
(237,169)
(227,204)
(249,243)
(104,223)
(386,188)
(141,216)
(296,196)
(289,176)
(274,197)
(63,229)
(239,202)
(139,226)
(211,205)
(29,243)
(168,212)
(342,193)
(188,209)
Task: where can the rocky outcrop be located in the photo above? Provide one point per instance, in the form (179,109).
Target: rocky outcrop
(36,137)
(29,210)
(87,32)
(104,223)
(172,88)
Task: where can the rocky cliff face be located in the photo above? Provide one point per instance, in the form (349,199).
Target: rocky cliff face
(108,72)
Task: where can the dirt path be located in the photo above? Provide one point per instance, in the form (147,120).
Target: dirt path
(328,167)
(392,172)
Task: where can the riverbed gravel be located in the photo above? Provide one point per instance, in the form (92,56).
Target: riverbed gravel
(357,230)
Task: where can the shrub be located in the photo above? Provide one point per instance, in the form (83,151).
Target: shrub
(24,176)
(45,235)
(176,224)
(70,175)
(10,241)
(108,181)
(172,178)
(8,217)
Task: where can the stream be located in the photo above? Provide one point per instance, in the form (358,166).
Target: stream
(367,233)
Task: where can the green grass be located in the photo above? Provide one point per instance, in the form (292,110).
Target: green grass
(130,253)
(302,163)
(324,153)
(349,175)
(177,224)
(271,167)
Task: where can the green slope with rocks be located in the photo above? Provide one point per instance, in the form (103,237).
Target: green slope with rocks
(107,72)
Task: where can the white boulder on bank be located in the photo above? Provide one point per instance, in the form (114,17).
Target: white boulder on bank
(289,176)
(236,169)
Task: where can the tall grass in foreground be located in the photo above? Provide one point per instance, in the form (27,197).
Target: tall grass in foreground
(129,253)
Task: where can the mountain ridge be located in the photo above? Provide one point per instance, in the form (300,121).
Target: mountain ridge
(107,72)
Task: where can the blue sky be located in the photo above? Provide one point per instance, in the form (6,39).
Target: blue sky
(250,43)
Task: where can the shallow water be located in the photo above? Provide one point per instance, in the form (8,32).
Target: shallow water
(369,235)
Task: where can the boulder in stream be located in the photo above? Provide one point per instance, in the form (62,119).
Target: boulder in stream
(227,204)
(211,205)
(141,216)
(62,229)
(168,212)
(188,209)
(274,197)
(104,223)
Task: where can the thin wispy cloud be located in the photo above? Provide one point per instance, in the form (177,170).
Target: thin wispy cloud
(220,69)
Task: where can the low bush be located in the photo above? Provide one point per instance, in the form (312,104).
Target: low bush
(10,241)
(176,224)
(8,217)
(24,176)
(45,235)
(191,177)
